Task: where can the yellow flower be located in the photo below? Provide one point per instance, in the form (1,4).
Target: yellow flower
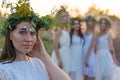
(24,10)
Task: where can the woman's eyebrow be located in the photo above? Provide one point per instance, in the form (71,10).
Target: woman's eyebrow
(23,28)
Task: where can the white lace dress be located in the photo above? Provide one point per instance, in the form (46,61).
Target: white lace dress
(33,69)
(64,51)
(106,68)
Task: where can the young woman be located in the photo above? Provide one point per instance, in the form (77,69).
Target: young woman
(76,50)
(61,53)
(89,55)
(24,56)
(107,65)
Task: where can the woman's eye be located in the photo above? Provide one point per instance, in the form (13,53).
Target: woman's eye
(23,32)
(32,33)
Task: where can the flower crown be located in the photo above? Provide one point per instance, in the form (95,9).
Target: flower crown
(90,17)
(62,18)
(23,12)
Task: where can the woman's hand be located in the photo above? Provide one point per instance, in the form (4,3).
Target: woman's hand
(38,49)
(60,64)
(86,61)
(58,45)
(55,73)
(116,62)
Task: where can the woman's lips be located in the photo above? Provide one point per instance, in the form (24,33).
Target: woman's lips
(27,46)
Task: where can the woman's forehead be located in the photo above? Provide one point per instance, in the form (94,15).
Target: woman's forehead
(25,26)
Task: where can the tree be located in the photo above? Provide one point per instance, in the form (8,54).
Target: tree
(96,12)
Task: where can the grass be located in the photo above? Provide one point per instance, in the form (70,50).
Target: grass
(47,40)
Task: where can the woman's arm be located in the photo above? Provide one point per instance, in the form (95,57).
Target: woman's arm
(95,48)
(56,47)
(111,48)
(91,46)
(54,71)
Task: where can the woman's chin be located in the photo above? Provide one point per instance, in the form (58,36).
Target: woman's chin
(27,51)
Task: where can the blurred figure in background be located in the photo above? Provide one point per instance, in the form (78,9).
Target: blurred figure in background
(107,64)
(61,53)
(76,50)
(88,54)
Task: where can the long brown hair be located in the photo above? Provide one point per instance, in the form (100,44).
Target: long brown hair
(8,53)
(80,34)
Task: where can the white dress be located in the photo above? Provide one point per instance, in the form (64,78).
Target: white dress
(33,69)
(106,68)
(76,51)
(64,51)
(89,71)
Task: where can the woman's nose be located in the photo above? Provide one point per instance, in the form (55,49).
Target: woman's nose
(28,37)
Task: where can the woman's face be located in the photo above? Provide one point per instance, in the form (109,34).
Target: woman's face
(91,24)
(23,37)
(103,25)
(76,25)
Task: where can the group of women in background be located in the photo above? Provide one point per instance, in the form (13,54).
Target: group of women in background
(87,55)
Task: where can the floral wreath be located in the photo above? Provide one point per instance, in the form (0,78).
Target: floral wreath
(22,12)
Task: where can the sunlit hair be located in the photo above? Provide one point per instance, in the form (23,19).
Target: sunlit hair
(107,22)
(72,29)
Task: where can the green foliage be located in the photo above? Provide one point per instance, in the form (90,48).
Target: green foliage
(22,12)
(50,21)
(60,19)
(1,21)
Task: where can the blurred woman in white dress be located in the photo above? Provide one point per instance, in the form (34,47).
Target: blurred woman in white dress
(61,53)
(76,50)
(88,54)
(107,65)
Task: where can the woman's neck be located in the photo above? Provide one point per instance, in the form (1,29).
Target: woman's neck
(75,32)
(103,32)
(21,57)
(89,31)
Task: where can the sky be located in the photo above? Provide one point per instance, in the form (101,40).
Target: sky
(44,7)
